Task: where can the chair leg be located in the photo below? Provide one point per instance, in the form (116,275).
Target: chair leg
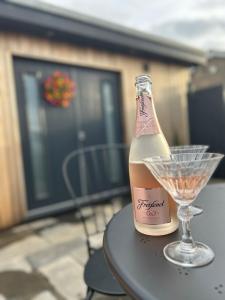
(89,294)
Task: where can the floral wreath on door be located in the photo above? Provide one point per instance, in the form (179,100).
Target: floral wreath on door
(59,89)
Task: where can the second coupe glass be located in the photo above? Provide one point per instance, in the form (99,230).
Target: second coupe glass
(190,149)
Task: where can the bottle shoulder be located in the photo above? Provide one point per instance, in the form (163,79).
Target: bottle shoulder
(148,145)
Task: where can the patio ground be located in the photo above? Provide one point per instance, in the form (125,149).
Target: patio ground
(43,260)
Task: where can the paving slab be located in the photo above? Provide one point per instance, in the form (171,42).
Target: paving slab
(16,264)
(19,285)
(66,276)
(43,223)
(104,297)
(62,233)
(52,253)
(80,254)
(21,228)
(23,248)
(11,236)
(45,295)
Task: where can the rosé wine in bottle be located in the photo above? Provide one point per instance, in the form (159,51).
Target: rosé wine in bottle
(154,210)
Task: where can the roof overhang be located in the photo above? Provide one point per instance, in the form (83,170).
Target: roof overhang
(56,24)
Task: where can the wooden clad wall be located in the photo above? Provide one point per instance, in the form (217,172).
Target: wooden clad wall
(170,87)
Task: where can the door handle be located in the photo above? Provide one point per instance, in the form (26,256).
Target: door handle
(81,135)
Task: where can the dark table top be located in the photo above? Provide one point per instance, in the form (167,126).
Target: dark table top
(138,262)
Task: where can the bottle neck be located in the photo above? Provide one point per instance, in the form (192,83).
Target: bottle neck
(146,118)
(143,87)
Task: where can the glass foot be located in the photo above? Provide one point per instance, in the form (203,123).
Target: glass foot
(201,255)
(196,210)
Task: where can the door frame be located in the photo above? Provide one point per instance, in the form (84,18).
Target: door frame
(68,204)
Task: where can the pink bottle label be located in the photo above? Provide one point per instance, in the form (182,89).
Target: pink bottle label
(151,206)
(145,120)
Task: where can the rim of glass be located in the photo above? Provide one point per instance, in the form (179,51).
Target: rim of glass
(165,159)
(189,146)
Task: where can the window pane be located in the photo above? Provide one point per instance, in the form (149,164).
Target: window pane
(36,132)
(111,134)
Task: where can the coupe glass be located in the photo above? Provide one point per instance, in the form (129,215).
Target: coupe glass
(190,149)
(183,176)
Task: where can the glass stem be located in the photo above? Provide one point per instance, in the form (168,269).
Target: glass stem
(185,214)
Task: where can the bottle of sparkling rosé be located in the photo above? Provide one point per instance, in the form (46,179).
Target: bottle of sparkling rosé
(154,210)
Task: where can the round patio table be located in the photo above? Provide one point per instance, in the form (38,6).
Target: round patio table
(138,263)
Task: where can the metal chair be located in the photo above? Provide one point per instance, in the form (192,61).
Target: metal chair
(97,180)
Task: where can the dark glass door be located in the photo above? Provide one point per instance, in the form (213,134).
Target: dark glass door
(207,120)
(49,133)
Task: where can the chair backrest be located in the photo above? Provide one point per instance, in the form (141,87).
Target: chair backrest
(96,177)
